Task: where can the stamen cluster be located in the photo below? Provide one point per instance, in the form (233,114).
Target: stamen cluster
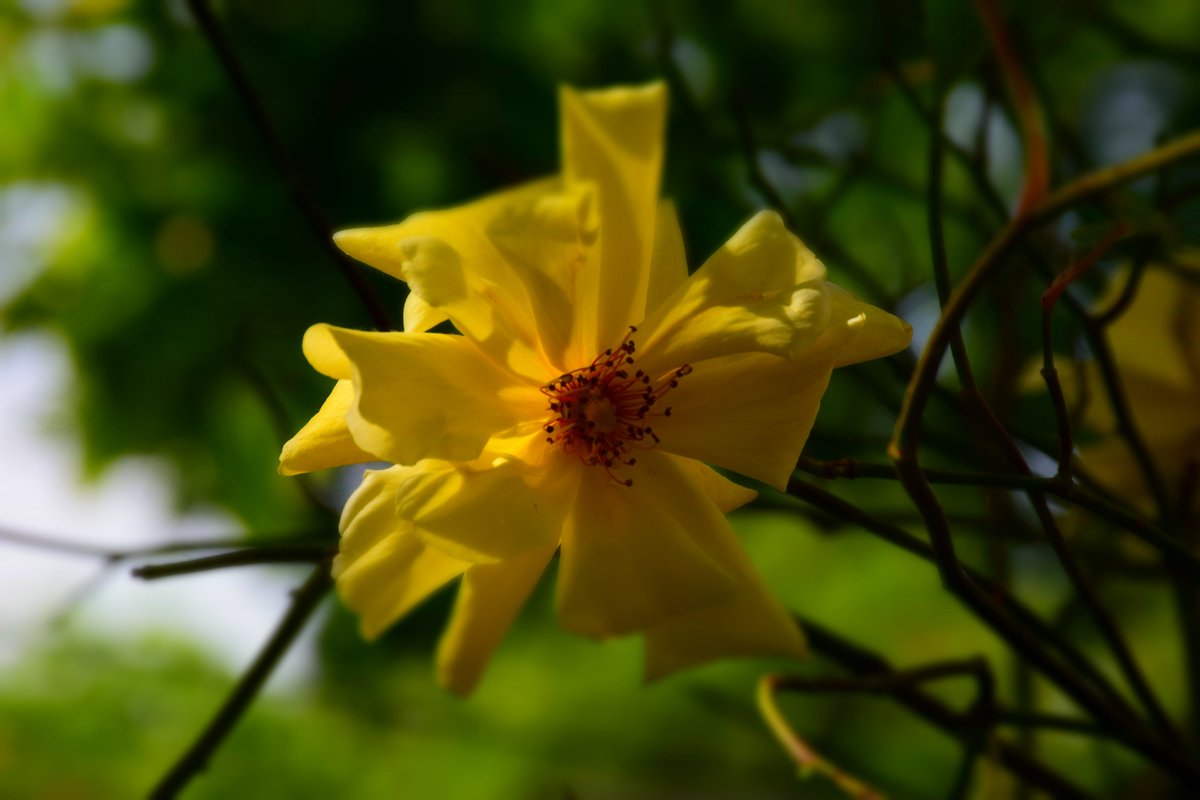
(601,411)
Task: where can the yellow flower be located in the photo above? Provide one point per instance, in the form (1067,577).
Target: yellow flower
(591,383)
(1156,345)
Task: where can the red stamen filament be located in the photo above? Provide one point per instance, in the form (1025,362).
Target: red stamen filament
(601,412)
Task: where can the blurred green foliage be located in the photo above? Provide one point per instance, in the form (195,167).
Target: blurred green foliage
(182,278)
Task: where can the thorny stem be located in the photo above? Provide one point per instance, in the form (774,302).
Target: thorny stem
(195,760)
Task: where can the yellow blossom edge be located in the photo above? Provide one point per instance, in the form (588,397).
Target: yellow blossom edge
(539,280)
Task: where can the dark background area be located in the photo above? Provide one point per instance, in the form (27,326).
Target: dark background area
(181,278)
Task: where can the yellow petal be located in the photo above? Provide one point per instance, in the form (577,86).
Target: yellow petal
(382,569)
(857,331)
(547,242)
(748,413)
(763,291)
(629,561)
(487,512)
(488,601)
(455,270)
(324,441)
(612,140)
(668,264)
(419,316)
(750,623)
(725,494)
(421,395)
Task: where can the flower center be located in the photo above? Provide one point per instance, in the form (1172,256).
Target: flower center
(602,411)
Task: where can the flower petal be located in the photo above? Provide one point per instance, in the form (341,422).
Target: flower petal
(489,599)
(748,413)
(382,569)
(727,495)
(503,269)
(859,331)
(486,512)
(763,291)
(628,558)
(419,316)
(668,264)
(421,395)
(612,140)
(547,242)
(750,623)
(324,441)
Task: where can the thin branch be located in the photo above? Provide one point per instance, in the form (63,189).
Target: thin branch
(195,760)
(1029,112)
(1052,722)
(813,232)
(806,757)
(1109,315)
(1050,298)
(905,441)
(908,426)
(1097,687)
(297,188)
(937,238)
(89,550)
(236,558)
(975,171)
(977,719)
(284,427)
(1139,526)
(859,661)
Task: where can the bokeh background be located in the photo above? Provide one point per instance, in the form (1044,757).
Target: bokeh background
(156,279)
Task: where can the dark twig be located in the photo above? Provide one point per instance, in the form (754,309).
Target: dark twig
(974,169)
(1076,494)
(1104,621)
(293,554)
(299,192)
(1128,291)
(284,428)
(89,550)
(1028,111)
(304,602)
(937,238)
(1049,371)
(859,661)
(813,232)
(1097,688)
(905,441)
(1053,723)
(977,719)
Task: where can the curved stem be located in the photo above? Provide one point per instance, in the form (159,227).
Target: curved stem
(195,760)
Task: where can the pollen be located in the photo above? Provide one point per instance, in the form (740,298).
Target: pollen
(603,412)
